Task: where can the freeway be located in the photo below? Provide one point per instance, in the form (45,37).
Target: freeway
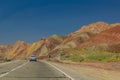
(25,70)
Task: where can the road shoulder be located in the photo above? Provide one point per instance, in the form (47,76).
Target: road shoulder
(79,72)
(71,72)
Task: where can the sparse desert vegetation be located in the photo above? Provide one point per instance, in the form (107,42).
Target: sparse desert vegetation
(90,56)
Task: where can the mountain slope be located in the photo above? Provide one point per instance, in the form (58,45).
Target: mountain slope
(80,36)
(22,50)
(96,36)
(18,50)
(42,47)
(108,39)
(84,33)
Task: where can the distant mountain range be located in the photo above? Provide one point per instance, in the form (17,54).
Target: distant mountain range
(98,36)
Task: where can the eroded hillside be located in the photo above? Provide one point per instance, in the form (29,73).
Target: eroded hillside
(96,36)
(106,40)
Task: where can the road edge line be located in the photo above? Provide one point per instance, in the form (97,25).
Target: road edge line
(4,63)
(2,75)
(60,70)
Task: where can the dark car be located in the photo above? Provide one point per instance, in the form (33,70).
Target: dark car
(33,58)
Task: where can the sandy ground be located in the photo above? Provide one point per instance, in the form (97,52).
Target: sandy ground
(100,71)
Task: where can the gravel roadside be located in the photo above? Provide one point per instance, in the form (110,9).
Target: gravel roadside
(71,72)
(79,72)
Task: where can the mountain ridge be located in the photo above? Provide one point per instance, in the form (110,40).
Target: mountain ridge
(55,45)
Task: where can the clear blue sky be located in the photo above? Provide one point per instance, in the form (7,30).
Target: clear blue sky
(30,20)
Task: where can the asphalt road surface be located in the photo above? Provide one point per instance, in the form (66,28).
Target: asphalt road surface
(24,70)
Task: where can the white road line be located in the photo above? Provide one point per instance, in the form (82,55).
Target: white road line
(60,71)
(8,62)
(2,75)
